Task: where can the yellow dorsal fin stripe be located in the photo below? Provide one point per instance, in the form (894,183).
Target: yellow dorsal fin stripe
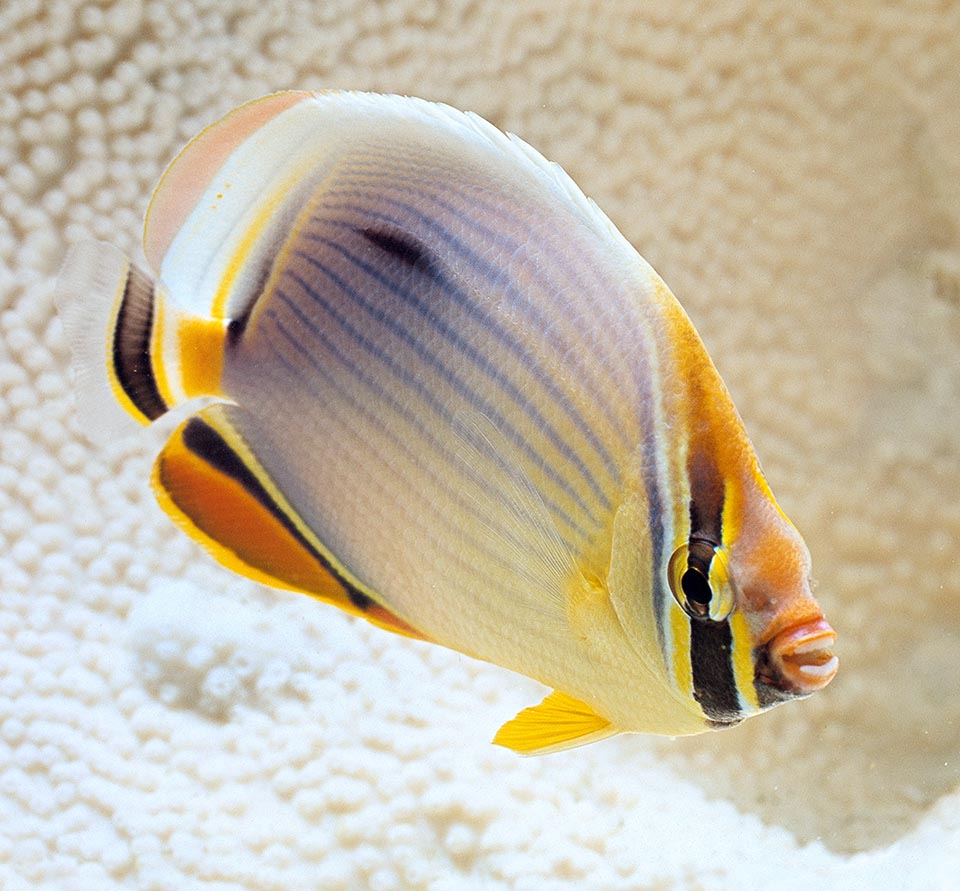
(246,535)
(559,722)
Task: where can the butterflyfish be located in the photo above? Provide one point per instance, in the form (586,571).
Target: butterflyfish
(422,378)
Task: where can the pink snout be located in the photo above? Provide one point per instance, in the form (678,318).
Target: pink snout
(801,657)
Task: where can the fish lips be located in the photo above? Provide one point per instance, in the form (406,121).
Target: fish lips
(798,660)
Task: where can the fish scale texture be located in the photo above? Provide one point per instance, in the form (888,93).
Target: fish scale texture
(792,171)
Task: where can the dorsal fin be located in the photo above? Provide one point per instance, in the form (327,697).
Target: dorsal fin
(189,173)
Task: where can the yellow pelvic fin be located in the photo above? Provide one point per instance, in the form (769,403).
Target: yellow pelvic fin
(215,489)
(560,722)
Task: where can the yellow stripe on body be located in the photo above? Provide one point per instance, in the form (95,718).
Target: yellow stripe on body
(671,415)
(741,647)
(186,354)
(218,310)
(280,260)
(201,345)
(741,654)
(682,669)
(268,209)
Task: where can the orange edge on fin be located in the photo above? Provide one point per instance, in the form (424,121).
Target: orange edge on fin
(244,535)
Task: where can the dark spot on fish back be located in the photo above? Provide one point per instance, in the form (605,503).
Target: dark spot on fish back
(402,246)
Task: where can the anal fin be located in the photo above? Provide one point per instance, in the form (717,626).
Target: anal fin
(222,496)
(559,722)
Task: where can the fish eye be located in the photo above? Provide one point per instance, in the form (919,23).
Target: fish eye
(699,579)
(695,587)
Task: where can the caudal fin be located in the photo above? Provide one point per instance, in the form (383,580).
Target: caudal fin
(128,342)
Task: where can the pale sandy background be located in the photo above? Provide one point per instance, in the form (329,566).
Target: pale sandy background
(792,170)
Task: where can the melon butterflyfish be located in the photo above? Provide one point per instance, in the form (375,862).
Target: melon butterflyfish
(442,392)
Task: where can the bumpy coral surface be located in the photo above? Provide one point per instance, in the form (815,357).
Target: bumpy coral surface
(792,170)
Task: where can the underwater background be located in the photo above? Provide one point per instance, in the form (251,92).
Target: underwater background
(793,173)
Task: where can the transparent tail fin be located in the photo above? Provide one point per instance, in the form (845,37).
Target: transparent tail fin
(128,342)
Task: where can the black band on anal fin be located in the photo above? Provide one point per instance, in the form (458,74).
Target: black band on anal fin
(208,445)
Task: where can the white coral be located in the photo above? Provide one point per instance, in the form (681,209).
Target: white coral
(212,653)
(792,170)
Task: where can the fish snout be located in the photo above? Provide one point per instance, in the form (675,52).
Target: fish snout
(800,658)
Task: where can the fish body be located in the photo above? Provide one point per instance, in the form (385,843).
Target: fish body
(451,398)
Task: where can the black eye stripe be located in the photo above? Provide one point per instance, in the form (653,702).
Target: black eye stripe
(700,555)
(711,658)
(695,581)
(707,498)
(711,643)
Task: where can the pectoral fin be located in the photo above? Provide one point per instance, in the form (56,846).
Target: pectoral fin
(223,497)
(560,722)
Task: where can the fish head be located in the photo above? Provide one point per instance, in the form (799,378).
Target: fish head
(792,642)
(756,637)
